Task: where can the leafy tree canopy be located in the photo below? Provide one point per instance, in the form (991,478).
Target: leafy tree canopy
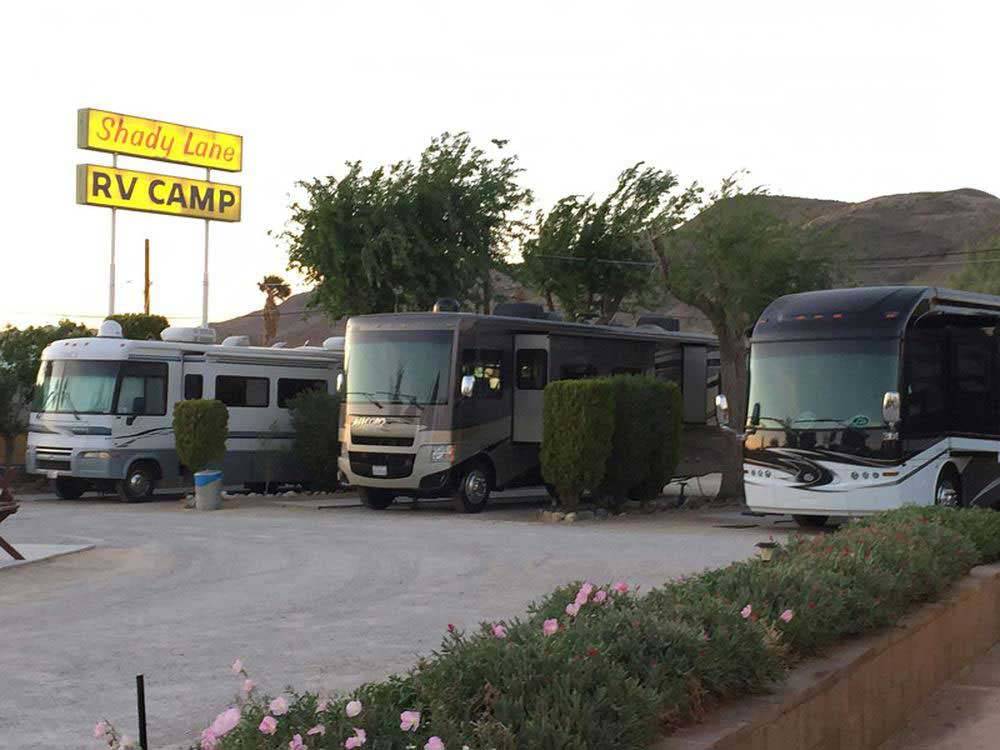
(402,236)
(140,326)
(593,256)
(977,276)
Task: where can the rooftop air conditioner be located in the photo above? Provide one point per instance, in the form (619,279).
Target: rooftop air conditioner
(180,334)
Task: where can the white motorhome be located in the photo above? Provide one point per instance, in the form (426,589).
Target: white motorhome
(867,399)
(102,413)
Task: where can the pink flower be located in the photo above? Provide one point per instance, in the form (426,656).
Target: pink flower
(357,740)
(296,743)
(549,627)
(126,743)
(322,704)
(583,595)
(278,706)
(237,666)
(786,616)
(208,739)
(746,612)
(409,721)
(620,587)
(318,729)
(434,743)
(352,709)
(225,722)
(600,597)
(248,686)
(100,729)
(268,725)
(572,609)
(499,631)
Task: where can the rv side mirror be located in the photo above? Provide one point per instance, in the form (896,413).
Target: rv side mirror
(722,410)
(890,408)
(340,382)
(468,385)
(755,415)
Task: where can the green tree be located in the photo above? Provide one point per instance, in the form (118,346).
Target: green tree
(977,276)
(140,326)
(730,262)
(275,288)
(594,257)
(20,356)
(402,236)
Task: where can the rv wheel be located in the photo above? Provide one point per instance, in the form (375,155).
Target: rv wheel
(473,490)
(138,484)
(69,488)
(948,492)
(376,499)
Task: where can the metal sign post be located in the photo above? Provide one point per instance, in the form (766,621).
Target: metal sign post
(111,283)
(204,279)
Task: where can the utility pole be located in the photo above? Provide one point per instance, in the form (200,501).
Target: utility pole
(145,288)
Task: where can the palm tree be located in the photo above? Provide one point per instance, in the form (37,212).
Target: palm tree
(276,288)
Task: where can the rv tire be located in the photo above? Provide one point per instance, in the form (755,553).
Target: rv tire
(138,484)
(948,491)
(376,499)
(70,488)
(473,490)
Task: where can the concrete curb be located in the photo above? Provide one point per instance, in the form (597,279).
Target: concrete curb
(862,693)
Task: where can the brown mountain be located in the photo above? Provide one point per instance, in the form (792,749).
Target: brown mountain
(892,239)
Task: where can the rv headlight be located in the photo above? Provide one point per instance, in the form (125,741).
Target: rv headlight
(441,453)
(96,455)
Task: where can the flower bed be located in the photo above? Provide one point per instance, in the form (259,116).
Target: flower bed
(602,667)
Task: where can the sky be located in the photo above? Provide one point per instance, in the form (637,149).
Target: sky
(843,100)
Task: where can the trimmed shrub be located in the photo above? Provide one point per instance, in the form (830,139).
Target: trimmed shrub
(979,525)
(200,429)
(316,421)
(578,424)
(628,464)
(598,667)
(660,433)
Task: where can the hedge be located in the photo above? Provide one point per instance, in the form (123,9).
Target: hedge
(617,437)
(316,421)
(200,429)
(578,424)
(599,666)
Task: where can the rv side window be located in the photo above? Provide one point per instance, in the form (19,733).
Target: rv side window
(485,366)
(233,390)
(194,386)
(142,389)
(626,371)
(289,388)
(532,369)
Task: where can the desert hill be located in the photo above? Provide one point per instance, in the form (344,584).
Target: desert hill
(922,228)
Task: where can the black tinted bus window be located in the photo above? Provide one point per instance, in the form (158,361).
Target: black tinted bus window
(532,369)
(289,388)
(143,389)
(577,372)
(239,391)
(193,387)
(485,365)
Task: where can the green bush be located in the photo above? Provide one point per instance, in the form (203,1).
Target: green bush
(316,421)
(659,430)
(578,424)
(628,463)
(620,668)
(200,429)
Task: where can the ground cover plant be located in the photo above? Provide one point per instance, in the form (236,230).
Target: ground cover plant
(605,666)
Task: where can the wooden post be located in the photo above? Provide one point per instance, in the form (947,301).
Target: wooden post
(145,304)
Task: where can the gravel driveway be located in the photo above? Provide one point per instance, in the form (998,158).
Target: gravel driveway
(321,599)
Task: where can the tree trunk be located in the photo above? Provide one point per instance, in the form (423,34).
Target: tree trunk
(9,443)
(732,351)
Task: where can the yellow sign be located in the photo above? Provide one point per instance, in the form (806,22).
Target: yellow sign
(153,139)
(158,193)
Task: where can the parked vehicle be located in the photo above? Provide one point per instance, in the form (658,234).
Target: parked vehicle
(450,404)
(867,399)
(103,407)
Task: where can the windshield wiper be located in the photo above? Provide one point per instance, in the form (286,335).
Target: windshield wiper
(368,395)
(396,396)
(840,422)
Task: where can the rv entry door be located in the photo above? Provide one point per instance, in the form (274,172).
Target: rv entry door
(531,373)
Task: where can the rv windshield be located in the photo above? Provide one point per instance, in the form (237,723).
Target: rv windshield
(822,384)
(398,367)
(75,386)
